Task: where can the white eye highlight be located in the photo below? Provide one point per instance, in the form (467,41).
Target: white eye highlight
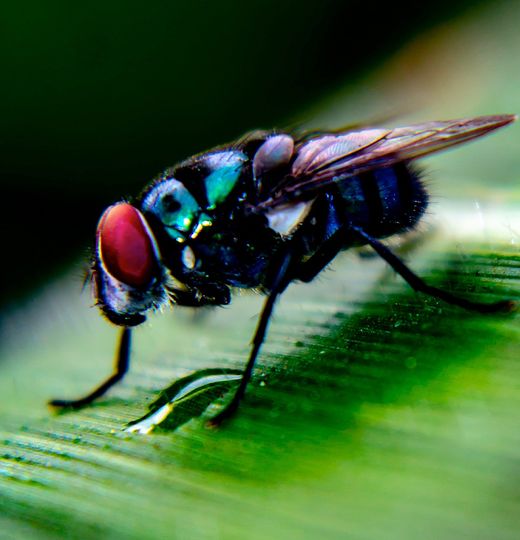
(188,258)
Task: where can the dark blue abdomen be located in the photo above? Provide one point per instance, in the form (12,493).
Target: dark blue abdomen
(382,202)
(385,201)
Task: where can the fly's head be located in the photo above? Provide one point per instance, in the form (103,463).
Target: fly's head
(128,276)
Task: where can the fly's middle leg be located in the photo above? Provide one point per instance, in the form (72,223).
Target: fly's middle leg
(279,284)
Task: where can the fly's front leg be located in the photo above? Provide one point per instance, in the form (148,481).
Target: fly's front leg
(121,367)
(419,285)
(280,283)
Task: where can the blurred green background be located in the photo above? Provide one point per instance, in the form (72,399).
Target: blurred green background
(374,412)
(97,98)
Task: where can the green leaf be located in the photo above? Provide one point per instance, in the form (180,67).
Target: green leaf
(373,409)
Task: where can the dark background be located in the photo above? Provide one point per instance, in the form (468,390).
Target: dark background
(96,98)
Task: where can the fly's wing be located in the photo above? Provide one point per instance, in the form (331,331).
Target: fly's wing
(328,159)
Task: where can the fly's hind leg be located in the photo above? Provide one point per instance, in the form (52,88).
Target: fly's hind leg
(121,367)
(419,285)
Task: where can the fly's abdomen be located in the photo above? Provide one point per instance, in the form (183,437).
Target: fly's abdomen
(384,201)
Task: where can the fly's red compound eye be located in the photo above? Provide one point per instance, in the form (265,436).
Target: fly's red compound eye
(125,246)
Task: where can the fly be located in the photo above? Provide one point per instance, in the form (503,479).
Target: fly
(260,213)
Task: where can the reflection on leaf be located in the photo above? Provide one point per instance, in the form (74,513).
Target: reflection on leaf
(185,399)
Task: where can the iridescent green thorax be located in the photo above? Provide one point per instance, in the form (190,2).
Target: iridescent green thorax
(182,215)
(221,182)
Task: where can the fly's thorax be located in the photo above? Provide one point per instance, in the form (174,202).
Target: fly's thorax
(185,200)
(128,273)
(193,210)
